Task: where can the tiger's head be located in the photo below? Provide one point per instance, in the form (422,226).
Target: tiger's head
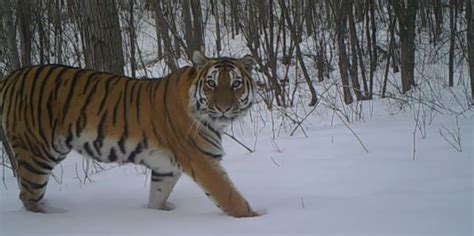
(223,90)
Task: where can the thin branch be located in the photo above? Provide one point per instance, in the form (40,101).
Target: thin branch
(353,132)
(239,142)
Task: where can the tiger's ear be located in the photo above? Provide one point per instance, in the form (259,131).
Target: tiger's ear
(199,59)
(248,62)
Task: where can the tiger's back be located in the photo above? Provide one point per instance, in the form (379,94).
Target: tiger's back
(49,110)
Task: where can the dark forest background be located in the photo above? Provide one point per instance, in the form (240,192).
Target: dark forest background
(298,44)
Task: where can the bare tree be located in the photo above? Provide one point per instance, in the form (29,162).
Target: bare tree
(296,31)
(470,39)
(24,12)
(452,41)
(193,26)
(162,30)
(132,37)
(406,16)
(11,33)
(340,11)
(102,36)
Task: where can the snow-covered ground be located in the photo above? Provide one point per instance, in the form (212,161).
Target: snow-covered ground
(325,184)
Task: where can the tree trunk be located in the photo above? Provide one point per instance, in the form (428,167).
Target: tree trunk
(470,39)
(11,34)
(215,8)
(341,19)
(296,37)
(58,31)
(198,29)
(163,29)
(132,38)
(24,14)
(102,36)
(452,42)
(438,12)
(354,72)
(373,46)
(406,16)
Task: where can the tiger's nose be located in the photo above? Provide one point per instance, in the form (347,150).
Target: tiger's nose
(223,108)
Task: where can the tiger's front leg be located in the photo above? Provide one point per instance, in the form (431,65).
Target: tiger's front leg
(161,185)
(213,179)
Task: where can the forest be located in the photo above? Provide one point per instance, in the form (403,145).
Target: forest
(297,43)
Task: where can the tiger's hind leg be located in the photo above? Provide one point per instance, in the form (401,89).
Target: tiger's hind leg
(161,186)
(33,175)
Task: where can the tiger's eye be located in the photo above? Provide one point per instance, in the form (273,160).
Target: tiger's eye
(236,84)
(211,83)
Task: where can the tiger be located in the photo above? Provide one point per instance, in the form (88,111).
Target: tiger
(171,125)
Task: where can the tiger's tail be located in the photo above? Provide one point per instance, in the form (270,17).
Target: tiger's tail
(3,138)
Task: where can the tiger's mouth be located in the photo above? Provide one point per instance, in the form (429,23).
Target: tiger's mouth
(224,118)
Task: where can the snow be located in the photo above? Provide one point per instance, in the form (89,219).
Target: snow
(325,184)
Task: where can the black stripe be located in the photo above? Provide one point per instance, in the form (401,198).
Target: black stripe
(32,103)
(8,89)
(121,142)
(88,150)
(138,103)
(49,109)
(88,82)
(213,155)
(114,118)
(166,112)
(69,137)
(53,133)
(209,140)
(153,87)
(138,149)
(42,129)
(26,187)
(99,141)
(156,179)
(46,153)
(19,96)
(165,174)
(70,93)
(106,93)
(29,146)
(132,91)
(112,155)
(58,81)
(208,126)
(38,198)
(80,124)
(38,145)
(30,168)
(83,112)
(124,136)
(34,185)
(155,132)
(42,164)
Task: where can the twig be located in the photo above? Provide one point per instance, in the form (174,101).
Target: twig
(239,142)
(274,162)
(455,141)
(353,132)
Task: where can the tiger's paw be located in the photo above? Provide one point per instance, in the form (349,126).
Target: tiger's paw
(166,206)
(42,207)
(34,207)
(259,212)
